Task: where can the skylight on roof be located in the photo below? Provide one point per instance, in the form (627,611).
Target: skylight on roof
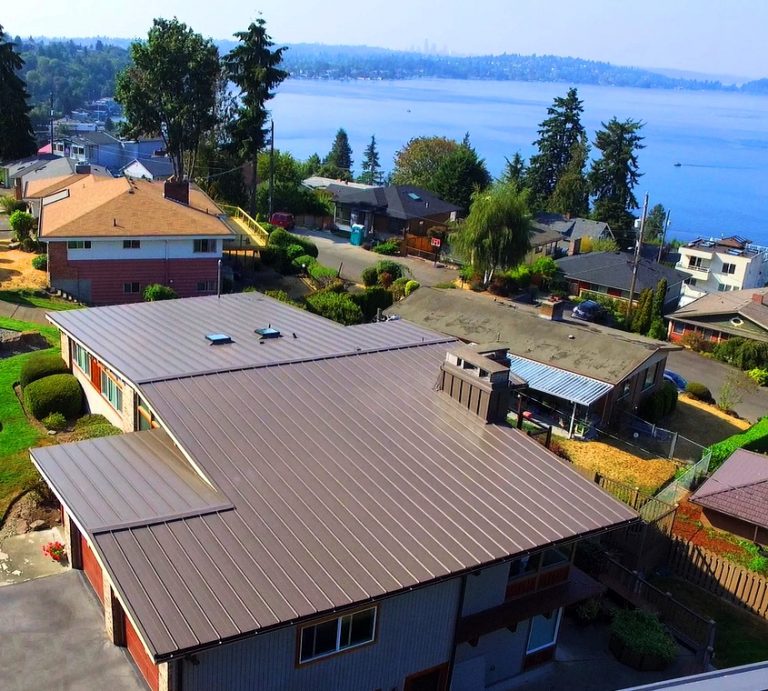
(268,332)
(218,338)
(414,196)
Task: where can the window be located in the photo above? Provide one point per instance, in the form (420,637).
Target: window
(650,376)
(729,268)
(334,635)
(204,245)
(543,630)
(206,286)
(678,327)
(79,245)
(696,263)
(81,358)
(144,418)
(131,244)
(131,287)
(691,281)
(111,390)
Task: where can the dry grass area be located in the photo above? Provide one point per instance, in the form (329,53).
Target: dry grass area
(16,271)
(621,462)
(702,423)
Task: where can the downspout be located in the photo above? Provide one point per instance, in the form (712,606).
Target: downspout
(459,608)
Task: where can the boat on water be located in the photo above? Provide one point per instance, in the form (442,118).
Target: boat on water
(677,165)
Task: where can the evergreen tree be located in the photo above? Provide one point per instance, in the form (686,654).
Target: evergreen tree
(371,167)
(515,171)
(340,155)
(614,175)
(311,166)
(254,67)
(654,224)
(16,137)
(571,193)
(558,135)
(642,317)
(659,296)
(459,176)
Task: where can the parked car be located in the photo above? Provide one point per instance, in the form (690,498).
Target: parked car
(589,311)
(282,219)
(676,379)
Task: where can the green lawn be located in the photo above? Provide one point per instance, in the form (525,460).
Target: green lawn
(33,298)
(741,637)
(51,333)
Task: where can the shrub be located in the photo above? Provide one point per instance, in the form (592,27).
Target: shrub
(385,279)
(743,353)
(559,450)
(391,247)
(282,296)
(30,245)
(89,420)
(41,365)
(753,439)
(466,273)
(303,262)
(10,204)
(40,262)
(502,285)
(21,224)
(57,393)
(283,239)
(392,268)
(657,330)
(336,306)
(92,426)
(322,274)
(370,276)
(446,285)
(398,287)
(758,375)
(659,404)
(520,275)
(156,291)
(411,286)
(644,634)
(293,251)
(588,611)
(55,421)
(699,392)
(371,300)
(696,342)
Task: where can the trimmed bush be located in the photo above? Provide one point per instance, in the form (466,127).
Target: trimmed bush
(303,262)
(385,279)
(659,404)
(92,426)
(758,375)
(294,251)
(391,247)
(699,392)
(371,300)
(753,439)
(41,365)
(21,224)
(58,393)
(411,286)
(40,262)
(398,287)
(336,306)
(282,238)
(155,292)
(392,268)
(55,421)
(643,634)
(282,296)
(370,276)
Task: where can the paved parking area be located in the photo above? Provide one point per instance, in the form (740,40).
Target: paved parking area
(52,637)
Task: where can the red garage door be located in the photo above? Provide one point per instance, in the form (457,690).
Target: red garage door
(92,568)
(149,670)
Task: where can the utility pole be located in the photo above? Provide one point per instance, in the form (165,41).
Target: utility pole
(271,168)
(636,259)
(663,236)
(51,121)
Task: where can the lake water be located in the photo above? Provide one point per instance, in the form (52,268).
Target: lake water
(720,139)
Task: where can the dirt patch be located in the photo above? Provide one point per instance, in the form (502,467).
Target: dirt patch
(690,527)
(16,271)
(702,423)
(621,462)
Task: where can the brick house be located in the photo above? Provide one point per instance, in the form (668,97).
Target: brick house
(108,238)
(275,518)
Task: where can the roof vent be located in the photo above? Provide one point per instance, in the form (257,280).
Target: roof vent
(218,338)
(268,332)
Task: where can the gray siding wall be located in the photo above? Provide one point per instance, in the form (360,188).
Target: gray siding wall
(497,656)
(485,589)
(415,632)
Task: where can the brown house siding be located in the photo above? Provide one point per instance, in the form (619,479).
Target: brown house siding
(736,526)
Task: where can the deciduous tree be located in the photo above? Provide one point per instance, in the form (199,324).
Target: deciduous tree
(418,161)
(459,176)
(16,137)
(170,89)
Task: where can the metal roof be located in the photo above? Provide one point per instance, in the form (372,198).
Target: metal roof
(148,341)
(350,477)
(558,382)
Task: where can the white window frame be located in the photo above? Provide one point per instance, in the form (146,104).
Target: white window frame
(78,244)
(197,246)
(729,268)
(208,286)
(82,358)
(530,651)
(131,244)
(339,646)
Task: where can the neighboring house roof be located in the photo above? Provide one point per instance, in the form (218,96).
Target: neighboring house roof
(316,182)
(728,304)
(153,167)
(91,206)
(574,347)
(27,165)
(100,138)
(572,228)
(738,488)
(543,236)
(745,678)
(55,173)
(403,202)
(733,245)
(335,499)
(614,270)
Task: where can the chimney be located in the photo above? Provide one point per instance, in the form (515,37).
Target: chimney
(760,298)
(551,310)
(178,191)
(574,247)
(17,190)
(478,378)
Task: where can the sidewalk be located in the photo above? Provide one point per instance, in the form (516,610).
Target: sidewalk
(36,315)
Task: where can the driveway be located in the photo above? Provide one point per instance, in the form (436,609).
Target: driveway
(334,251)
(52,637)
(712,374)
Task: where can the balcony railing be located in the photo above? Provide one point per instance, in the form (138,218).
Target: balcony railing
(703,270)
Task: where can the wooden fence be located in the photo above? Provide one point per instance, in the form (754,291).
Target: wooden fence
(720,576)
(689,627)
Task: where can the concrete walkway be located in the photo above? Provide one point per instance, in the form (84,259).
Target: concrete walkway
(36,315)
(22,558)
(52,637)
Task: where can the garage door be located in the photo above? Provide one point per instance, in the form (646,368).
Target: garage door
(149,670)
(92,568)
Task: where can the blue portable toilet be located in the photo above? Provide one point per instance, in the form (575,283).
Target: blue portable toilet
(356,237)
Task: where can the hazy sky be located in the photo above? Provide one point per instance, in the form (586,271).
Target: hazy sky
(711,36)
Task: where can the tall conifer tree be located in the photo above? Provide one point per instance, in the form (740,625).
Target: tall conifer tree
(16,137)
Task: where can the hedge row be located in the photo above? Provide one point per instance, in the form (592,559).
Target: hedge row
(283,239)
(57,393)
(753,439)
(41,365)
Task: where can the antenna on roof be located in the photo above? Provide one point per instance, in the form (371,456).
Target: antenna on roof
(218,279)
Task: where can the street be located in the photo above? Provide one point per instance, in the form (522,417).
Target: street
(334,251)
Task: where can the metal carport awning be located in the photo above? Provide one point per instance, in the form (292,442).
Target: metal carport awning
(569,386)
